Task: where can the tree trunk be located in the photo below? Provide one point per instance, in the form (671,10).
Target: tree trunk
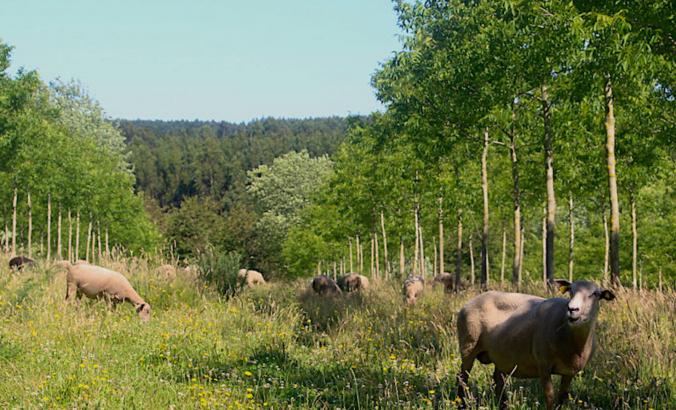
(458,253)
(107,248)
(6,238)
(471,261)
(89,238)
(402,258)
(359,261)
(351,265)
(612,187)
(659,279)
(634,243)
(434,267)
(518,254)
(335,275)
(98,236)
(441,237)
(416,251)
(523,245)
(77,237)
(372,258)
(423,265)
(30,227)
(14,223)
(386,264)
(70,237)
(58,236)
(544,248)
(484,235)
(607,247)
(49,226)
(551,197)
(504,252)
(571,242)
(375,237)
(319,268)
(93,245)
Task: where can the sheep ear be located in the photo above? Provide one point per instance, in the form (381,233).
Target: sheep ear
(140,307)
(607,295)
(564,285)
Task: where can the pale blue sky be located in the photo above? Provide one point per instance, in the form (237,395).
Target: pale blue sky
(206,59)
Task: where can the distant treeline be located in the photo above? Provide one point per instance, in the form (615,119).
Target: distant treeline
(177,159)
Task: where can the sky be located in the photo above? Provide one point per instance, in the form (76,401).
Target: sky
(207,59)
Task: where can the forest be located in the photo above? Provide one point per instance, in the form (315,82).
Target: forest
(519,142)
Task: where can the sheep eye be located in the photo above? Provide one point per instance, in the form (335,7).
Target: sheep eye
(596,293)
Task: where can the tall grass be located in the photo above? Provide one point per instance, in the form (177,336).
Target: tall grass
(280,346)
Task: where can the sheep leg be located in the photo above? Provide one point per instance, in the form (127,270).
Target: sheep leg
(564,388)
(546,381)
(463,377)
(71,290)
(499,380)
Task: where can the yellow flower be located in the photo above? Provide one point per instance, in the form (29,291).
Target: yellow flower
(248,373)
(431,392)
(249,396)
(393,357)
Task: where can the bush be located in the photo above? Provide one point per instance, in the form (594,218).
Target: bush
(220,270)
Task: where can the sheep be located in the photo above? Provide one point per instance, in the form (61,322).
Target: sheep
(445,279)
(18,262)
(167,272)
(250,277)
(527,336)
(97,282)
(323,285)
(353,282)
(413,288)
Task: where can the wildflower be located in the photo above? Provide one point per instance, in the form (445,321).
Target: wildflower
(248,373)
(431,392)
(393,357)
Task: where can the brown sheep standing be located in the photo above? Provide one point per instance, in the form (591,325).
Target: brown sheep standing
(250,277)
(96,282)
(527,336)
(353,282)
(413,288)
(323,285)
(446,280)
(18,262)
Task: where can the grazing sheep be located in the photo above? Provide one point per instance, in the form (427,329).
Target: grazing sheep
(527,336)
(323,285)
(97,282)
(18,262)
(353,282)
(250,277)
(413,288)
(167,271)
(445,279)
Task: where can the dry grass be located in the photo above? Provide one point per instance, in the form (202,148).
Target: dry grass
(279,346)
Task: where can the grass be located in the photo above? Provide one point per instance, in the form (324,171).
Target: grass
(279,346)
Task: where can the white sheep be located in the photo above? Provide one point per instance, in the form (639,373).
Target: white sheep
(527,336)
(413,288)
(97,282)
(250,277)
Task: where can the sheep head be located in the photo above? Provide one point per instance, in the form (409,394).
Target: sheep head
(583,307)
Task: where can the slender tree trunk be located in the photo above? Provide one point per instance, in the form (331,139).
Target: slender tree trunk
(523,245)
(77,237)
(551,197)
(571,242)
(434,267)
(544,248)
(504,252)
(14,223)
(634,242)
(319,268)
(49,226)
(6,238)
(516,263)
(386,264)
(375,237)
(458,253)
(335,275)
(70,236)
(58,236)
(441,237)
(484,236)
(471,261)
(30,227)
(402,258)
(93,245)
(98,236)
(416,251)
(373,270)
(89,238)
(606,255)
(659,279)
(423,266)
(351,265)
(107,248)
(612,186)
